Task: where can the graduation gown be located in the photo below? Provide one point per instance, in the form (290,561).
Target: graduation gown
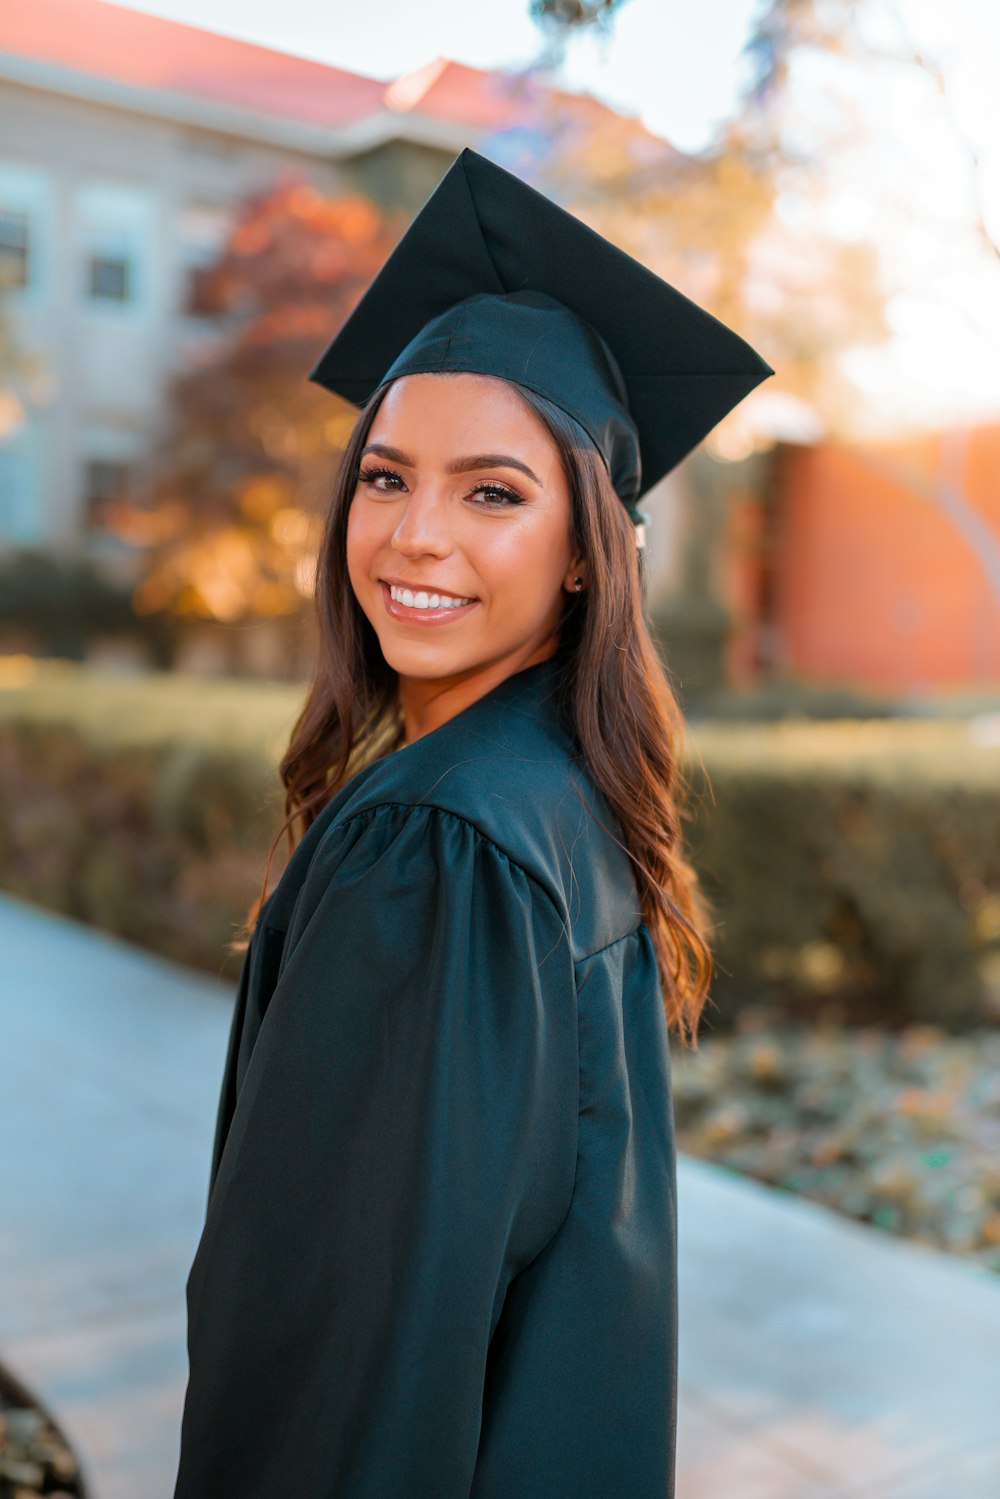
(439,1254)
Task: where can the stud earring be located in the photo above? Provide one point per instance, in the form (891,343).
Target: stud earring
(578,584)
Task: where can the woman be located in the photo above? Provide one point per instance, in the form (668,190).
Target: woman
(439,1257)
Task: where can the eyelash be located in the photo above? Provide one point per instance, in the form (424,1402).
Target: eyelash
(487,487)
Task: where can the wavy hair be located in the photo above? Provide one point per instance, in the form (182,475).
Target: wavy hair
(615,694)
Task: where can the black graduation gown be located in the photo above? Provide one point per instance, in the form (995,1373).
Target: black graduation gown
(439,1256)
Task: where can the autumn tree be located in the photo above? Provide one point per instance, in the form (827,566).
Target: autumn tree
(229,507)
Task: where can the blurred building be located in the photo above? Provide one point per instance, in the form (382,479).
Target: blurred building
(875,565)
(126,144)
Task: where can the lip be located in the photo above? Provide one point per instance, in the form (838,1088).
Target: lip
(407,615)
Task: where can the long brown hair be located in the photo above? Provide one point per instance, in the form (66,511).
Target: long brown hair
(615,691)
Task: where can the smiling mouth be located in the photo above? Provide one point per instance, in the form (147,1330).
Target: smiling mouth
(424,606)
(423,598)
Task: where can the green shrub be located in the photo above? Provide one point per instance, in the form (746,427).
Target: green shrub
(61,603)
(142,805)
(853,866)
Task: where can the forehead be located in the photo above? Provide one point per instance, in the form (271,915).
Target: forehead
(459,409)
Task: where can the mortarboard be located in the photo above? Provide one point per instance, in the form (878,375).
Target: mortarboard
(494,278)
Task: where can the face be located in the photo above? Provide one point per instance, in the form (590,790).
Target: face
(458,536)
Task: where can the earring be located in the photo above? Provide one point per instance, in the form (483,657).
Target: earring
(578,584)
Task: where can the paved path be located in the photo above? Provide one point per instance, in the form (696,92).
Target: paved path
(819,1359)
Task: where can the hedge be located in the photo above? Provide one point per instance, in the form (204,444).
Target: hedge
(853,866)
(143,805)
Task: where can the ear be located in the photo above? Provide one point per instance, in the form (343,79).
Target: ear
(576,578)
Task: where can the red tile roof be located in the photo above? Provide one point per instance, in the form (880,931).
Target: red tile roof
(453,91)
(125,46)
(109,41)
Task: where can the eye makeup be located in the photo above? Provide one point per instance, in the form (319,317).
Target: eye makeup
(495,493)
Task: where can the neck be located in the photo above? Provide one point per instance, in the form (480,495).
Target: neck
(426,705)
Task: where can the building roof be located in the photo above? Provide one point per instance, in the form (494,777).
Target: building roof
(446,90)
(105,51)
(127,47)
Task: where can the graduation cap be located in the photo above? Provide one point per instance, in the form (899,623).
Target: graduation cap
(494,278)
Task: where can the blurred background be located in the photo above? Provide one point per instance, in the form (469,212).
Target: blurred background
(187,215)
(193,196)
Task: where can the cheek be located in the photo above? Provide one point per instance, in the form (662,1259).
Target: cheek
(362,541)
(525,567)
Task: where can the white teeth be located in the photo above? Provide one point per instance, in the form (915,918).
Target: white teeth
(423,600)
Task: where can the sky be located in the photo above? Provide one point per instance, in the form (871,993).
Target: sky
(680,69)
(679,89)
(678,66)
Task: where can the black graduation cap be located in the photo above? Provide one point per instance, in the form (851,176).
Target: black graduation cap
(493,277)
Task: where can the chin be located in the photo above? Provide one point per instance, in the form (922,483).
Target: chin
(424,662)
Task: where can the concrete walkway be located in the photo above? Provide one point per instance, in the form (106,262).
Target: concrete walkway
(819,1359)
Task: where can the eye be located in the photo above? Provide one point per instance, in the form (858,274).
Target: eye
(371,475)
(388,481)
(498,494)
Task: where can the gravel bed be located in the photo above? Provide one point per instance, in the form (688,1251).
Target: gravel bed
(896,1128)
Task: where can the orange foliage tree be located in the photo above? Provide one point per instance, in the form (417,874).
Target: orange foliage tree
(228,509)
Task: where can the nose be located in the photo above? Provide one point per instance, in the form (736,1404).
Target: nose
(424,527)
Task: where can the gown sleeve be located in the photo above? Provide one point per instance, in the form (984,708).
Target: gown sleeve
(403,1144)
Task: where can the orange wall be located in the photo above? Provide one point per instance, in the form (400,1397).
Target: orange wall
(873,583)
(742,585)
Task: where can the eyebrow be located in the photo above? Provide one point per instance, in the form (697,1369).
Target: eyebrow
(457,465)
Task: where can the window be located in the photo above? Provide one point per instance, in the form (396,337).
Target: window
(109,278)
(27,232)
(109,467)
(203,229)
(117,244)
(15,235)
(105,480)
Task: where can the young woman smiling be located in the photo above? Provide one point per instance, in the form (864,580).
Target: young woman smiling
(461,491)
(439,1256)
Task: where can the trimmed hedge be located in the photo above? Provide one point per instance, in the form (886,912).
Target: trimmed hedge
(142,805)
(853,866)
